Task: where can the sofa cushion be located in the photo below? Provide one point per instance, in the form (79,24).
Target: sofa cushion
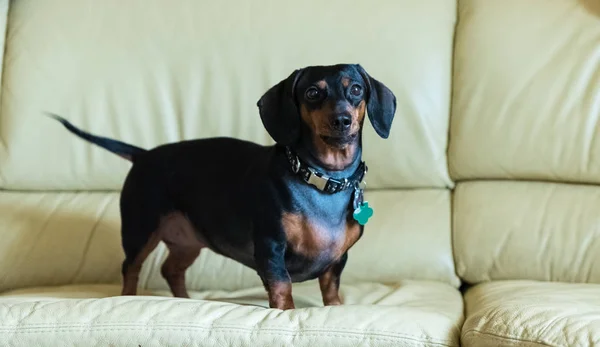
(526,91)
(507,230)
(74,238)
(151,72)
(410,314)
(527,313)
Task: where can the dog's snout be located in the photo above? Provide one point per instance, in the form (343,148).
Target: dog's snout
(341,122)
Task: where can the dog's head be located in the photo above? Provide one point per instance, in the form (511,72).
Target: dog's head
(324,107)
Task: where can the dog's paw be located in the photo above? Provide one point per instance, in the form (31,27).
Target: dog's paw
(333,302)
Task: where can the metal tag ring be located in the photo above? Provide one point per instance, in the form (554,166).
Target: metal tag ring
(296,165)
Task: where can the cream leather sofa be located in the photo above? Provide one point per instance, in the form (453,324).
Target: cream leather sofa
(488,182)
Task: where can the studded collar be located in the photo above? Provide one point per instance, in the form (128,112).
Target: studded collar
(322,181)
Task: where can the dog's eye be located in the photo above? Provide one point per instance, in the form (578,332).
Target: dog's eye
(313,93)
(356,90)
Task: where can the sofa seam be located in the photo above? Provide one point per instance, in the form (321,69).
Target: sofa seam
(506,337)
(223,327)
(3,47)
(332,333)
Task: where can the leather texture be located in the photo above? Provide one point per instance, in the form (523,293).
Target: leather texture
(407,314)
(153,72)
(526,230)
(197,69)
(74,238)
(498,101)
(526,91)
(532,314)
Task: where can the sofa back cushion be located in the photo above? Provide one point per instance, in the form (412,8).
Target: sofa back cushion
(152,72)
(526,93)
(526,107)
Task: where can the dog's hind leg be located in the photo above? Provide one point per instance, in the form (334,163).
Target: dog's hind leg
(135,254)
(140,221)
(184,247)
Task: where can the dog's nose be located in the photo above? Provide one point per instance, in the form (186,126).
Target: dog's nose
(341,122)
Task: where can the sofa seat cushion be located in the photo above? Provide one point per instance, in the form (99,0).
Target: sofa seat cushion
(409,314)
(526,313)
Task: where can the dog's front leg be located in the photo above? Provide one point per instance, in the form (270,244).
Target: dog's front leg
(280,295)
(329,282)
(270,261)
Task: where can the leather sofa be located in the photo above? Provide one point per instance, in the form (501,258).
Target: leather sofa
(485,196)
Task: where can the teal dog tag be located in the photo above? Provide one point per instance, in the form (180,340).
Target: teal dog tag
(362,213)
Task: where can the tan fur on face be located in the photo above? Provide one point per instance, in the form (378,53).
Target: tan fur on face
(360,111)
(318,121)
(345,82)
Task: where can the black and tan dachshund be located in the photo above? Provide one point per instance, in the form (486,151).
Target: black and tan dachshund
(289,211)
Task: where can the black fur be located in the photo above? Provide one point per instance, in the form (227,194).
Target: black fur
(279,112)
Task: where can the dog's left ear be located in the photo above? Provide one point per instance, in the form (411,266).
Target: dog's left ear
(279,112)
(381,104)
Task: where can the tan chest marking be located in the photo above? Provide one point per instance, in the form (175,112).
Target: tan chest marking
(312,240)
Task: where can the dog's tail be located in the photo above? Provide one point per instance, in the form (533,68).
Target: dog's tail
(119,148)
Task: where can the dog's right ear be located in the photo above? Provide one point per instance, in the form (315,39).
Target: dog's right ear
(381,104)
(279,112)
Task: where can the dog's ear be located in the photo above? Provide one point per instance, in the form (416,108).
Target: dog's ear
(279,112)
(381,104)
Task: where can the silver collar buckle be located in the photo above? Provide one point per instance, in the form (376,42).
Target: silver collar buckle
(316,180)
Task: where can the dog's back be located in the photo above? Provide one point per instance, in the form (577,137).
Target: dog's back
(211,181)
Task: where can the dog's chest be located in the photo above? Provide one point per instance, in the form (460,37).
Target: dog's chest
(319,227)
(319,240)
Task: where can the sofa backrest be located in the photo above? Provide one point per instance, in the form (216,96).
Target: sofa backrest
(525,140)
(152,72)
